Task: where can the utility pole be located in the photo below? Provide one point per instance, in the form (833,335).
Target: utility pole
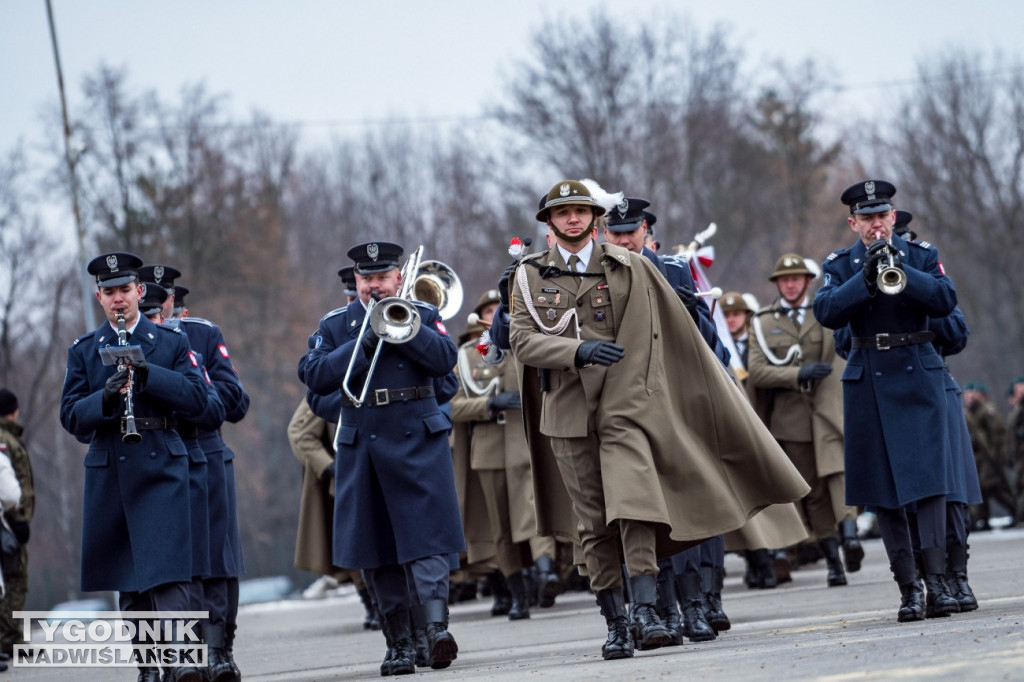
(71,159)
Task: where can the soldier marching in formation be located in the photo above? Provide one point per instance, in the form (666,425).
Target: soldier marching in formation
(579,421)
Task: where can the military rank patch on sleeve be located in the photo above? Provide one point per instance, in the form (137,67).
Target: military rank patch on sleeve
(192,357)
(441,327)
(224,351)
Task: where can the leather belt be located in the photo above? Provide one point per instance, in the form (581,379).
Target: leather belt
(386,396)
(887,341)
(151,423)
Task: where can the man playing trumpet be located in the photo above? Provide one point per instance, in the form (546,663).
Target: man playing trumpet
(896,445)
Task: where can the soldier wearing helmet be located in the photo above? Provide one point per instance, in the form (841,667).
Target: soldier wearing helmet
(794,362)
(605,354)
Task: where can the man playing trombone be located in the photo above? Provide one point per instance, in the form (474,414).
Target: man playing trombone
(396,510)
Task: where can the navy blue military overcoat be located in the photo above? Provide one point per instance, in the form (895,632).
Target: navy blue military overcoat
(136,530)
(896,439)
(207,339)
(395,499)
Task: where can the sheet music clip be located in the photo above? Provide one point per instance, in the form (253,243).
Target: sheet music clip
(110,355)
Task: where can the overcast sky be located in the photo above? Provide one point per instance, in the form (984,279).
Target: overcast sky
(330,64)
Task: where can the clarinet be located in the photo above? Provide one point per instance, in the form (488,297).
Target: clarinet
(131,435)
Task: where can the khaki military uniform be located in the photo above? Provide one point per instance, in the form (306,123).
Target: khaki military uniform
(807,420)
(311,439)
(1015,427)
(500,457)
(688,457)
(16,582)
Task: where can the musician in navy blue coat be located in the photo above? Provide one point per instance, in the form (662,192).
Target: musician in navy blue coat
(395,504)
(896,443)
(220,586)
(136,534)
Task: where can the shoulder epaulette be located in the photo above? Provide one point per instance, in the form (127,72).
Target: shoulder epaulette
(424,304)
(336,311)
(83,337)
(923,245)
(835,254)
(197,320)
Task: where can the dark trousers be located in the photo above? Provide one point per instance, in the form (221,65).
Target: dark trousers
(220,598)
(896,532)
(396,587)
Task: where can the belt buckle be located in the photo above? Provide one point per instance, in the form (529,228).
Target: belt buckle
(882,341)
(380,396)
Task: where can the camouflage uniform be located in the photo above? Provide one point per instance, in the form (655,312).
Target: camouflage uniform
(1015,451)
(988,439)
(16,582)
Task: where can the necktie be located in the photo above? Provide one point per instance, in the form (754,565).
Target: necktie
(574,262)
(794,314)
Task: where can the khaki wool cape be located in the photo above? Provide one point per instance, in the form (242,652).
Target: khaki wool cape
(680,446)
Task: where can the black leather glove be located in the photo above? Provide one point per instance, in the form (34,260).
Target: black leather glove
(328,473)
(21,531)
(141,374)
(599,353)
(112,390)
(688,298)
(813,371)
(878,250)
(369,341)
(508,400)
(503,284)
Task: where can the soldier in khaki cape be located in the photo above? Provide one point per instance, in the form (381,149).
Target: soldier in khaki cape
(793,360)
(488,400)
(610,404)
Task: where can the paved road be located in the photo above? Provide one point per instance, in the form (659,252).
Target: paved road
(801,630)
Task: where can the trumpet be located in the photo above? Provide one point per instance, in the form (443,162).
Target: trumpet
(131,434)
(891,279)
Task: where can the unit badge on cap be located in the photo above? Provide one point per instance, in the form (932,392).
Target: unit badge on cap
(869,189)
(563,191)
(790,262)
(372,250)
(623,207)
(143,285)
(158,272)
(112,262)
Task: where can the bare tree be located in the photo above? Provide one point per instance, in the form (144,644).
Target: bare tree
(956,148)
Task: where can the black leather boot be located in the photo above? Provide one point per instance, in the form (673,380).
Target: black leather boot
(184,673)
(712,579)
(419,636)
(781,565)
(904,572)
(853,552)
(836,574)
(695,624)
(760,570)
(443,649)
(613,607)
(668,611)
(549,585)
(938,601)
(218,668)
(499,590)
(520,607)
(648,630)
(401,655)
(229,647)
(956,577)
(371,621)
